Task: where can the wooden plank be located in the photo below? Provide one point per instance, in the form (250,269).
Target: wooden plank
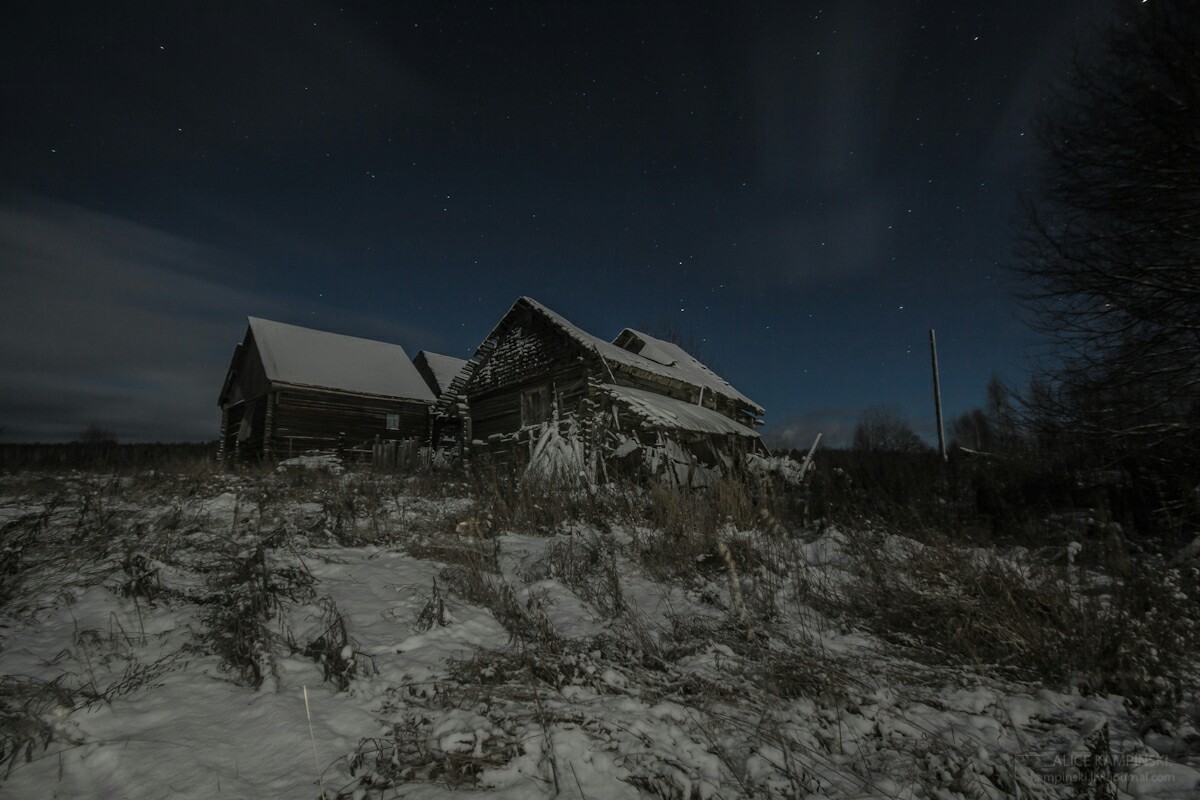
(318,420)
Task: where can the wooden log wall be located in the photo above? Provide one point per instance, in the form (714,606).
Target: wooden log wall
(511,451)
(236,449)
(499,411)
(527,349)
(528,355)
(308,419)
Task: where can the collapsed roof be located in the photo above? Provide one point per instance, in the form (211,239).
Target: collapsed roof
(659,411)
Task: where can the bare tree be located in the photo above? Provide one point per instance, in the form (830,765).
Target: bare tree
(95,434)
(971,430)
(995,428)
(883,429)
(1111,254)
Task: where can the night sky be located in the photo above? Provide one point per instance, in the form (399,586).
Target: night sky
(803,188)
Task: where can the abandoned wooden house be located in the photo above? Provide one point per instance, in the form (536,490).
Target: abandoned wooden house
(635,404)
(290,390)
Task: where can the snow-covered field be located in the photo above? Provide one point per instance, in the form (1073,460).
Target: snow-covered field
(204,635)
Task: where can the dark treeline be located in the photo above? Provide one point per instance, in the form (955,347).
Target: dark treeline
(105,455)
(1108,262)
(1010,473)
(1029,501)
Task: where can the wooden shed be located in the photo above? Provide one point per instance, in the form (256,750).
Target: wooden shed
(291,389)
(637,401)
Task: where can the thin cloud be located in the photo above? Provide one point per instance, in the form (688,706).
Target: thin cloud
(113,322)
(845,237)
(836,426)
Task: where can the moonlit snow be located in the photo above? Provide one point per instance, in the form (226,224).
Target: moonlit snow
(519,682)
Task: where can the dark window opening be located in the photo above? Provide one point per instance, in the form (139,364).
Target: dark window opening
(535,406)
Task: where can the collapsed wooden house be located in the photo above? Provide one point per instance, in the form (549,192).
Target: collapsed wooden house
(290,390)
(544,392)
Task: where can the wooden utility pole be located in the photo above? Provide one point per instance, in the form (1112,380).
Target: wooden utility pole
(804,465)
(937,395)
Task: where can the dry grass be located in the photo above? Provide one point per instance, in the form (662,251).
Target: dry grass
(513,503)
(340,660)
(408,754)
(587,563)
(27,710)
(1106,623)
(1131,633)
(245,594)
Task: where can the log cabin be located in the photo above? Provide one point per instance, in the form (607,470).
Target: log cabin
(290,390)
(636,404)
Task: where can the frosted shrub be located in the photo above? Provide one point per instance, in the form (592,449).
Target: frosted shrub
(587,563)
(244,596)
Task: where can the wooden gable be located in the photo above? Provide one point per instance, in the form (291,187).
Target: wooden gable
(527,371)
(246,378)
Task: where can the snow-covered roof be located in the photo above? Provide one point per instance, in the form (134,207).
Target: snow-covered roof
(443,368)
(680,364)
(661,411)
(651,355)
(303,356)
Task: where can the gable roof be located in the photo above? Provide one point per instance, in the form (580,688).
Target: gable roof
(644,352)
(307,357)
(441,369)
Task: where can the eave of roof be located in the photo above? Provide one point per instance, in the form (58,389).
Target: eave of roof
(659,411)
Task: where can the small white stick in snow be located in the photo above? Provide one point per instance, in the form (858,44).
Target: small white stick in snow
(735,590)
(313,740)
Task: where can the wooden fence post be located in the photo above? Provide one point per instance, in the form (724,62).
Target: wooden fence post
(224,433)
